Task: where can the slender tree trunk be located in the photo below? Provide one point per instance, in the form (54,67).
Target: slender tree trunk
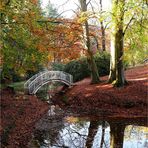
(120,80)
(117,40)
(102,31)
(91,133)
(91,61)
(103,36)
(112,75)
(116,135)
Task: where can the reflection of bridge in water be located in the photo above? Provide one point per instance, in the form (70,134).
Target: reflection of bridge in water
(37,81)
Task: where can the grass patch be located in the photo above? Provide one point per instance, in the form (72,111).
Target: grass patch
(18,86)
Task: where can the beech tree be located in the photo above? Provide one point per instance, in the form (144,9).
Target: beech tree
(124,14)
(87,44)
(117,37)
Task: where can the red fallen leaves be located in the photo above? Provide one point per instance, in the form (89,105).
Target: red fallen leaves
(18,116)
(103,99)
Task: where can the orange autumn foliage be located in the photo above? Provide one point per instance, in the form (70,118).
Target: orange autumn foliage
(59,38)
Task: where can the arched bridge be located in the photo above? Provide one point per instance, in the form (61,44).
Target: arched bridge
(42,78)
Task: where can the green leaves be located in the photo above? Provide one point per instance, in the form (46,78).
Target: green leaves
(19,45)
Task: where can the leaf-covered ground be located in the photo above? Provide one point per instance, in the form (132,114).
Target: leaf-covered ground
(18,116)
(20,113)
(104,100)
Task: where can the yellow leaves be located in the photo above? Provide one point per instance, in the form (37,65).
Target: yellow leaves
(84,16)
(33,58)
(2,5)
(50,57)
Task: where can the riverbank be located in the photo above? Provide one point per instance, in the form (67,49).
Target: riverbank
(19,114)
(105,100)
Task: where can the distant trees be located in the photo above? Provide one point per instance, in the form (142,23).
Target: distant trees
(50,11)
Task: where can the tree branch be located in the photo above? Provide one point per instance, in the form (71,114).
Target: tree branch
(128,24)
(88,2)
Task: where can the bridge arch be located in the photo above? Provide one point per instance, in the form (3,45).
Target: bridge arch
(37,81)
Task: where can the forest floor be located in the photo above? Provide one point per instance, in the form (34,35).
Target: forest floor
(19,113)
(105,100)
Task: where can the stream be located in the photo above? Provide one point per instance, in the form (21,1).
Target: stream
(59,129)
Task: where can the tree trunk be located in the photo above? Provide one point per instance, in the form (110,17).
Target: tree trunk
(116,135)
(103,134)
(102,31)
(91,61)
(93,69)
(91,133)
(117,40)
(103,36)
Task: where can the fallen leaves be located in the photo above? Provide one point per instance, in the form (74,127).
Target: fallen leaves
(130,100)
(18,118)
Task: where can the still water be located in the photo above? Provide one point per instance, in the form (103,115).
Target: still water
(58,129)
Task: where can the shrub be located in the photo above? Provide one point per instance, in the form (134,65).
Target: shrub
(103,63)
(80,69)
(58,66)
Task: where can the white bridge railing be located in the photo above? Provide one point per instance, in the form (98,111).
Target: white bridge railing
(35,82)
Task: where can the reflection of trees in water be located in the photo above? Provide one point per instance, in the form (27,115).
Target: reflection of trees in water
(139,134)
(54,132)
(68,135)
(117,130)
(104,125)
(83,134)
(116,134)
(95,133)
(93,128)
(48,137)
(74,135)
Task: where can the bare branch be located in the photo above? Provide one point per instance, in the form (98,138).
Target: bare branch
(92,8)
(128,24)
(107,25)
(88,2)
(63,4)
(77,5)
